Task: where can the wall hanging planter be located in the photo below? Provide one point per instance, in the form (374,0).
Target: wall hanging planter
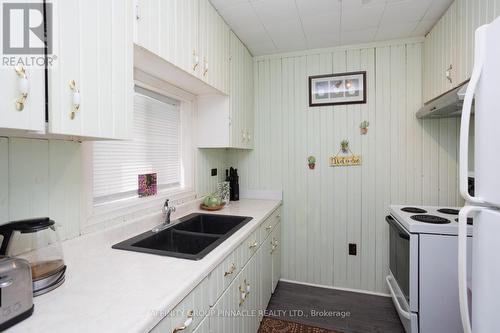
(348,160)
(363,127)
(311,161)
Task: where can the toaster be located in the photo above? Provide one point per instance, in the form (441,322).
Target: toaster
(16,291)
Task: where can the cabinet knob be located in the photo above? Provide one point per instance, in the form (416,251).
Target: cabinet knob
(254,245)
(205,66)
(23,85)
(196,60)
(269,227)
(187,323)
(243,295)
(231,270)
(75,100)
(448,74)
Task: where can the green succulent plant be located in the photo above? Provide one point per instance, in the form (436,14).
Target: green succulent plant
(311,159)
(364,124)
(344,145)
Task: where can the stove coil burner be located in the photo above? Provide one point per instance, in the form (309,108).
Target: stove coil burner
(430,219)
(414,210)
(448,211)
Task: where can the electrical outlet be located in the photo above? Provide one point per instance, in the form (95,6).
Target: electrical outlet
(214,172)
(352,249)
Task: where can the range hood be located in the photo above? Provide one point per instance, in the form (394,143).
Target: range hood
(447,105)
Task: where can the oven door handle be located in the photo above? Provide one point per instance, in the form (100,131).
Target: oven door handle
(402,233)
(400,310)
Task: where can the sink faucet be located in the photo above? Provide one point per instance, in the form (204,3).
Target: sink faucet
(167,210)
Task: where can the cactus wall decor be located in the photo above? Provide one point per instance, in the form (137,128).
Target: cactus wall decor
(311,161)
(363,127)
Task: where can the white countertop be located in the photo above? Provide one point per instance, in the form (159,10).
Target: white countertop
(108,290)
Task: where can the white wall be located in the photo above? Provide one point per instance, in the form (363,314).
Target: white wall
(41,178)
(206,160)
(405,160)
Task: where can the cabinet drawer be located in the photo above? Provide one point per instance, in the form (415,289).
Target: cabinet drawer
(188,313)
(267,227)
(222,276)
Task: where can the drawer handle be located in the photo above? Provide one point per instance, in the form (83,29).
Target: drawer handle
(247,287)
(75,101)
(23,88)
(253,245)
(205,66)
(231,270)
(196,60)
(187,323)
(243,295)
(269,227)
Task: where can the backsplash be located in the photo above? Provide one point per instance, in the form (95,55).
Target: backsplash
(41,178)
(44,178)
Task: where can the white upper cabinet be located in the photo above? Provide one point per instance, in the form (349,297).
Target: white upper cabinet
(214,47)
(241,95)
(449,47)
(228,122)
(22,98)
(91,84)
(189,34)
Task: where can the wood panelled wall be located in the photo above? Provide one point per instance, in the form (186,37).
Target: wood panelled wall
(405,160)
(41,178)
(206,159)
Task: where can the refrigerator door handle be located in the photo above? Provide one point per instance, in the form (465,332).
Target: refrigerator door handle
(462,264)
(479,57)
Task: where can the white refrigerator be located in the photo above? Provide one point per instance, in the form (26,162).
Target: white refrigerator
(480,298)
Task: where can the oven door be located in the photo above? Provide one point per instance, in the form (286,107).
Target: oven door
(403,262)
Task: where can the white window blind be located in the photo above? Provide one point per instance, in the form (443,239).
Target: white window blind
(155,148)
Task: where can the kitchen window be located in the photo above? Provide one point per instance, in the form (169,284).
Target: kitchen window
(155,147)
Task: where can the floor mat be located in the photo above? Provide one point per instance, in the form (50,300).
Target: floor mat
(274,325)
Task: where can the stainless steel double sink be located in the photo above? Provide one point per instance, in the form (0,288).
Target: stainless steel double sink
(193,237)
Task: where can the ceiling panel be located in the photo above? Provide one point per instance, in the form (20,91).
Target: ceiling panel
(270,26)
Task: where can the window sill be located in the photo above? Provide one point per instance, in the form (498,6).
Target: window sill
(129,209)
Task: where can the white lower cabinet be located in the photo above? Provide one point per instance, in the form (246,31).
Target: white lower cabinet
(189,313)
(276,255)
(236,292)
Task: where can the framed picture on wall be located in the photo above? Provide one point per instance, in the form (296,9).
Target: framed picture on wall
(337,89)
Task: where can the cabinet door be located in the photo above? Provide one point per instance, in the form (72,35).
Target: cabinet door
(214,47)
(266,271)
(241,94)
(91,85)
(224,315)
(31,115)
(204,326)
(276,255)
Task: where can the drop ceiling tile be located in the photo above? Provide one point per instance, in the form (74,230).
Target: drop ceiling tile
(273,10)
(314,7)
(363,17)
(358,36)
(317,41)
(321,23)
(252,33)
(291,43)
(284,29)
(242,13)
(258,49)
(423,28)
(356,4)
(405,11)
(395,31)
(219,4)
(437,9)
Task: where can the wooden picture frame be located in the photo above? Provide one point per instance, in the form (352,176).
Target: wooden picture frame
(337,89)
